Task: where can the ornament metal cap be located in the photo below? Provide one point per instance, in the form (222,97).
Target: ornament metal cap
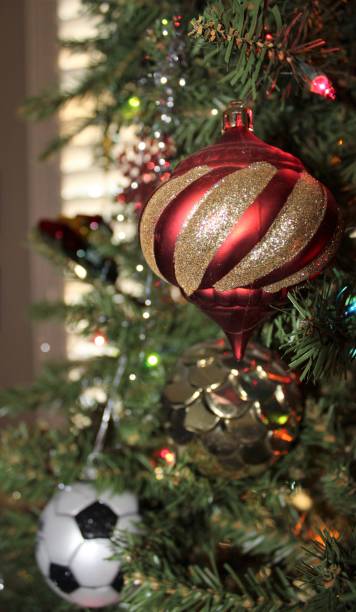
(238,115)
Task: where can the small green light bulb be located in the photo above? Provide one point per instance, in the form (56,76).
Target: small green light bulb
(152,360)
(134,102)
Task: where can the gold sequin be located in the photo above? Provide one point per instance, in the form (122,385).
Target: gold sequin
(156,205)
(212,218)
(314,267)
(290,232)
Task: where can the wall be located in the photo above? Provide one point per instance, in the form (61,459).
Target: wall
(28,190)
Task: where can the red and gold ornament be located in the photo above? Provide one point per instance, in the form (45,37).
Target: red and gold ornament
(237,225)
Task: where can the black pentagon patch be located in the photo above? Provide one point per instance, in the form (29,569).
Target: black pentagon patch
(118,582)
(63,578)
(96,521)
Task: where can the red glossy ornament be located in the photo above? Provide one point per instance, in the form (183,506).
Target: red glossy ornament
(238,223)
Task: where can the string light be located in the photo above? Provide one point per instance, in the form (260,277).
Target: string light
(301,499)
(182,82)
(214,111)
(80,271)
(134,102)
(99,339)
(152,360)
(132,377)
(139,268)
(45,347)
(146,315)
(167,455)
(92,396)
(351,308)
(322,86)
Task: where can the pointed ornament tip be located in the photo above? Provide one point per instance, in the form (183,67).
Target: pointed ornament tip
(238,343)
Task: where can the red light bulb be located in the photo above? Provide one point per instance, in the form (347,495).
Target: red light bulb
(166,454)
(100,339)
(322,86)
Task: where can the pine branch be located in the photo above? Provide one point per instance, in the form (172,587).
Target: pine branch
(319,334)
(331,573)
(259,41)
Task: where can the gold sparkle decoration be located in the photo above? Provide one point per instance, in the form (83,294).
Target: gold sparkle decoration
(156,205)
(290,232)
(212,218)
(234,419)
(314,267)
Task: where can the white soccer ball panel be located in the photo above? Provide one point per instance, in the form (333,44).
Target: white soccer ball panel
(128,523)
(62,537)
(42,557)
(94,598)
(47,511)
(125,503)
(74,498)
(91,565)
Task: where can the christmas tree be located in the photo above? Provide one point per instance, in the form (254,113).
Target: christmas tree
(187,478)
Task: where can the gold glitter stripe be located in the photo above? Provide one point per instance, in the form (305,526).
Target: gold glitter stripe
(212,218)
(290,232)
(314,267)
(156,205)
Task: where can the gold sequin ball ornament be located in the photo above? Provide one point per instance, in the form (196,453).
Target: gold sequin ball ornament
(235,419)
(237,225)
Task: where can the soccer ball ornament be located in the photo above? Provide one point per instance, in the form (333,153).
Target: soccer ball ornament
(74,547)
(235,418)
(238,223)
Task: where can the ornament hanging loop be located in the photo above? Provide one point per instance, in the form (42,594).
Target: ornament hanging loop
(238,114)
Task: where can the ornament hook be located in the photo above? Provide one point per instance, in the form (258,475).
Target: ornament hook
(238,114)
